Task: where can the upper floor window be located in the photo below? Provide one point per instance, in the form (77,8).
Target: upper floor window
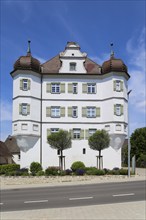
(91,132)
(74,111)
(72,66)
(24,109)
(74,88)
(91,88)
(91,112)
(55,112)
(54,130)
(118,109)
(25,84)
(55,88)
(118,85)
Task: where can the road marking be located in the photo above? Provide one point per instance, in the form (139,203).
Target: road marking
(36,201)
(1,203)
(128,194)
(80,198)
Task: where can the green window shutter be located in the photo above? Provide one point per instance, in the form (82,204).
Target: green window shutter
(82,134)
(20,109)
(122,109)
(69,111)
(84,87)
(48,132)
(114,109)
(21,84)
(62,87)
(114,85)
(28,109)
(84,112)
(62,111)
(48,87)
(48,111)
(87,133)
(121,85)
(97,111)
(70,88)
(29,84)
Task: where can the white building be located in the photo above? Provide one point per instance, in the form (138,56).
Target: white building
(70,92)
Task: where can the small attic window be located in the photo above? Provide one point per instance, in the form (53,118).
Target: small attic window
(72,54)
(72,66)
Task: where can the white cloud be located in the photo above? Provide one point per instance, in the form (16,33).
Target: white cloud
(100,60)
(137,82)
(6,111)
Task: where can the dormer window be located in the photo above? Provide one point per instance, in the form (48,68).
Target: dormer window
(72,66)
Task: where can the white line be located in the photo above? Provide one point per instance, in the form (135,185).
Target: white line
(1,203)
(80,198)
(36,201)
(129,194)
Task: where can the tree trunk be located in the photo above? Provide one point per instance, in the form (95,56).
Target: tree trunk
(99,158)
(61,157)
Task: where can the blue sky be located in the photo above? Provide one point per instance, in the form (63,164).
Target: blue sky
(92,24)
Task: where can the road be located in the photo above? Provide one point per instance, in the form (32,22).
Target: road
(70,196)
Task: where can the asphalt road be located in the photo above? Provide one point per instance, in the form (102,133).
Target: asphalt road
(70,196)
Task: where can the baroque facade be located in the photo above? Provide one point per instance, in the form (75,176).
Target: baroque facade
(70,92)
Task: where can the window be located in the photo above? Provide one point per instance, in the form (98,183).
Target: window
(74,88)
(76,134)
(125,128)
(118,85)
(107,127)
(25,84)
(84,150)
(91,132)
(74,112)
(54,130)
(91,88)
(55,112)
(118,127)
(24,109)
(118,109)
(58,152)
(24,127)
(72,66)
(55,88)
(15,127)
(91,112)
(35,127)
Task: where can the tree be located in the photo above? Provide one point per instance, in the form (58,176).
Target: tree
(60,140)
(99,141)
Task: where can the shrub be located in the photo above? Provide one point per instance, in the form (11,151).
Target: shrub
(40,173)
(123,172)
(35,167)
(52,171)
(100,172)
(77,165)
(91,170)
(68,172)
(80,172)
(6,169)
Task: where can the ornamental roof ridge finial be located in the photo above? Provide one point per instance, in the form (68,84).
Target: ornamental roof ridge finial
(29,50)
(112,51)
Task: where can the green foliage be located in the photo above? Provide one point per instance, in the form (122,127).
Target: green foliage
(52,171)
(77,165)
(40,173)
(7,169)
(99,140)
(91,170)
(138,142)
(35,167)
(141,161)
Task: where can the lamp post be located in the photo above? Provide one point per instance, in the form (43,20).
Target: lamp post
(129,147)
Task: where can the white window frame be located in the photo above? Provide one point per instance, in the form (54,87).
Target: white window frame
(91,112)
(55,112)
(35,127)
(74,111)
(72,66)
(118,127)
(107,127)
(54,130)
(24,126)
(74,88)
(15,127)
(25,84)
(91,88)
(76,133)
(118,85)
(92,131)
(55,88)
(24,109)
(118,109)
